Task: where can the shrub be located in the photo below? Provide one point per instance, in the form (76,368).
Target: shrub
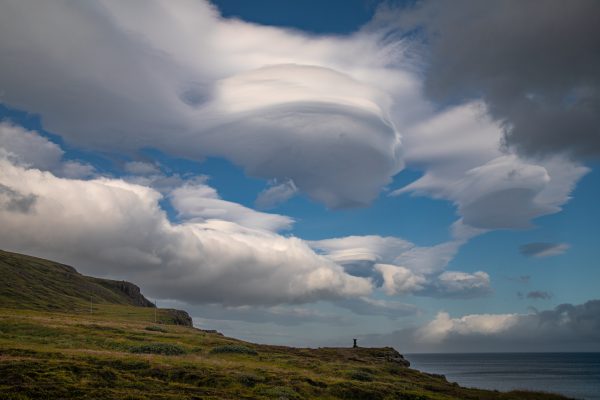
(357,391)
(233,348)
(156,328)
(249,380)
(280,392)
(158,348)
(123,365)
(361,376)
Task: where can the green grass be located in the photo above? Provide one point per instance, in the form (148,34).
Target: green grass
(167,349)
(156,328)
(234,349)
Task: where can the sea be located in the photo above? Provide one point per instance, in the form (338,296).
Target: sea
(575,375)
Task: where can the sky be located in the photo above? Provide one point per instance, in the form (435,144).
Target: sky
(423,175)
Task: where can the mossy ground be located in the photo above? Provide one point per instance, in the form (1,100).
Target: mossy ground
(75,355)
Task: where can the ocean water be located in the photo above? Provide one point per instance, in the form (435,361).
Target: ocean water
(575,375)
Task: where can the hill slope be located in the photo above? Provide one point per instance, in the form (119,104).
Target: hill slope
(119,352)
(32,282)
(37,284)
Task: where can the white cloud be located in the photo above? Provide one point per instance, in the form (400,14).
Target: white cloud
(75,170)
(200,203)
(400,280)
(163,183)
(114,228)
(28,147)
(141,168)
(461,154)
(461,284)
(543,249)
(397,264)
(362,248)
(276,194)
(561,248)
(480,324)
(13,201)
(339,148)
(176,76)
(402,267)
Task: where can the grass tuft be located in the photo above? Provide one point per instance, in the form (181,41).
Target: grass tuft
(166,349)
(363,376)
(233,348)
(156,328)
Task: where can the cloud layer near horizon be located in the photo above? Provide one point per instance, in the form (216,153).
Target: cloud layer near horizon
(567,327)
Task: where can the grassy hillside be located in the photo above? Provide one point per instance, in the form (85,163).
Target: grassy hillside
(35,283)
(119,352)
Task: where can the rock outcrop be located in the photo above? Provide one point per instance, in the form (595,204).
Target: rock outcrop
(390,354)
(364,354)
(134,293)
(179,317)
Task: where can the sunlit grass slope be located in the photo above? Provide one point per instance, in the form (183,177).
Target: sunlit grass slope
(118,352)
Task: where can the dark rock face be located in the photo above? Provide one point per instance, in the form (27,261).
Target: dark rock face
(390,354)
(133,292)
(211,331)
(180,317)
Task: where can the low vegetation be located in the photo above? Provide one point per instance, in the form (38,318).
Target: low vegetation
(156,328)
(167,349)
(233,348)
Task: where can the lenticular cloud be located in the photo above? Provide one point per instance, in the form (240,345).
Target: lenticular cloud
(338,116)
(176,76)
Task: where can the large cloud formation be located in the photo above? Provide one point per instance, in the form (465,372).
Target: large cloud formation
(460,151)
(401,267)
(175,76)
(220,252)
(304,109)
(535,64)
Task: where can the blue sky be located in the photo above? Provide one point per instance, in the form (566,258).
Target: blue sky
(285,168)
(333,17)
